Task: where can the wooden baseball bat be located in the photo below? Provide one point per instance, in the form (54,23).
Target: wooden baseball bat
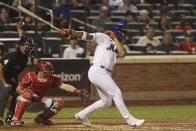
(36,17)
(83,23)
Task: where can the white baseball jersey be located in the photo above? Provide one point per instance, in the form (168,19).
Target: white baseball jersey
(105,52)
(105,55)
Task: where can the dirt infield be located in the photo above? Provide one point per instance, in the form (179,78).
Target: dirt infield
(107,125)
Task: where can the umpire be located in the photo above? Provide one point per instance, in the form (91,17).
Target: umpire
(11,65)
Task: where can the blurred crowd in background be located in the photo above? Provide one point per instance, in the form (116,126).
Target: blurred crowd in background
(153,26)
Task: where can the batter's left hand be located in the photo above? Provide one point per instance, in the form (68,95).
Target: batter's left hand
(110,34)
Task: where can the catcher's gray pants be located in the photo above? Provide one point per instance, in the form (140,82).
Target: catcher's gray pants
(45,103)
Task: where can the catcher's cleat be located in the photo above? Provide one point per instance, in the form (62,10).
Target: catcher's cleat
(40,120)
(137,122)
(8,120)
(16,122)
(84,121)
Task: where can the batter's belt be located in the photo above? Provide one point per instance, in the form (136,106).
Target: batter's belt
(104,68)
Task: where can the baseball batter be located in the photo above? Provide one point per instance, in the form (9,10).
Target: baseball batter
(109,47)
(33,87)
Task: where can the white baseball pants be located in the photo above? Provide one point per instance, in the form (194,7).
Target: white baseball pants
(108,91)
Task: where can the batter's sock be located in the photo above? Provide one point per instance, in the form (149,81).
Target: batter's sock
(118,100)
(88,110)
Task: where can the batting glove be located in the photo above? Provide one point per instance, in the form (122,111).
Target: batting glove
(110,34)
(65,31)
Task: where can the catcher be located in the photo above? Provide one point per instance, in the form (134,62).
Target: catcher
(33,87)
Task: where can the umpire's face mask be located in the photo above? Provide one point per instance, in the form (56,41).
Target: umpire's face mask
(29,47)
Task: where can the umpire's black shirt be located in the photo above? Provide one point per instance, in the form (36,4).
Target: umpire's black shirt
(13,62)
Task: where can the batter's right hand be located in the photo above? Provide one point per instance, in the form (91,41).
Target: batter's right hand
(65,31)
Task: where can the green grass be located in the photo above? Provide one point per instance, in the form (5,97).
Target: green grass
(185,111)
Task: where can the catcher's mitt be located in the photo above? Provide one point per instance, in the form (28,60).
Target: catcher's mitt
(84,95)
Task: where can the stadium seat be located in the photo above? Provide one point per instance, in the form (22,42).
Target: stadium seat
(193,31)
(51,46)
(194,12)
(52,33)
(173,24)
(175,33)
(194,25)
(118,13)
(157,18)
(130,34)
(136,25)
(91,18)
(10,27)
(156,31)
(79,14)
(135,39)
(154,12)
(179,39)
(94,13)
(145,6)
(190,19)
(29,27)
(133,32)
(178,53)
(188,7)
(108,25)
(154,24)
(75,25)
(155,52)
(116,18)
(159,37)
(181,12)
(136,47)
(170,6)
(9,34)
(10,42)
(134,52)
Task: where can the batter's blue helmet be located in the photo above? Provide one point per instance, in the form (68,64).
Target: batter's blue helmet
(115,28)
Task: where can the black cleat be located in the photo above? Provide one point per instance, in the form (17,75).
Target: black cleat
(1,123)
(8,120)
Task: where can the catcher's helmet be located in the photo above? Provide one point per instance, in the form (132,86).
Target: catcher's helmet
(29,45)
(46,68)
(117,29)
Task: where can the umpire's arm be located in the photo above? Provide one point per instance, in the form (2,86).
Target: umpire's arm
(2,77)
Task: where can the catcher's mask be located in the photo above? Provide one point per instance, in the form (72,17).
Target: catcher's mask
(29,45)
(118,29)
(46,68)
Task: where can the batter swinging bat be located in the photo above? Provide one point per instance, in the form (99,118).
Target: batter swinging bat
(36,17)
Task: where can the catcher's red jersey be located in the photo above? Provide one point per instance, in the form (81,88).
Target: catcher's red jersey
(32,83)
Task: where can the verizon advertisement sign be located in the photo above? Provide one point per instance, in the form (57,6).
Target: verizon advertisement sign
(72,71)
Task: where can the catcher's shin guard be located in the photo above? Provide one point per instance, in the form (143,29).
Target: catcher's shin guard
(22,104)
(55,107)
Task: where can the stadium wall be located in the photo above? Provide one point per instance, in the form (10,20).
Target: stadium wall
(168,77)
